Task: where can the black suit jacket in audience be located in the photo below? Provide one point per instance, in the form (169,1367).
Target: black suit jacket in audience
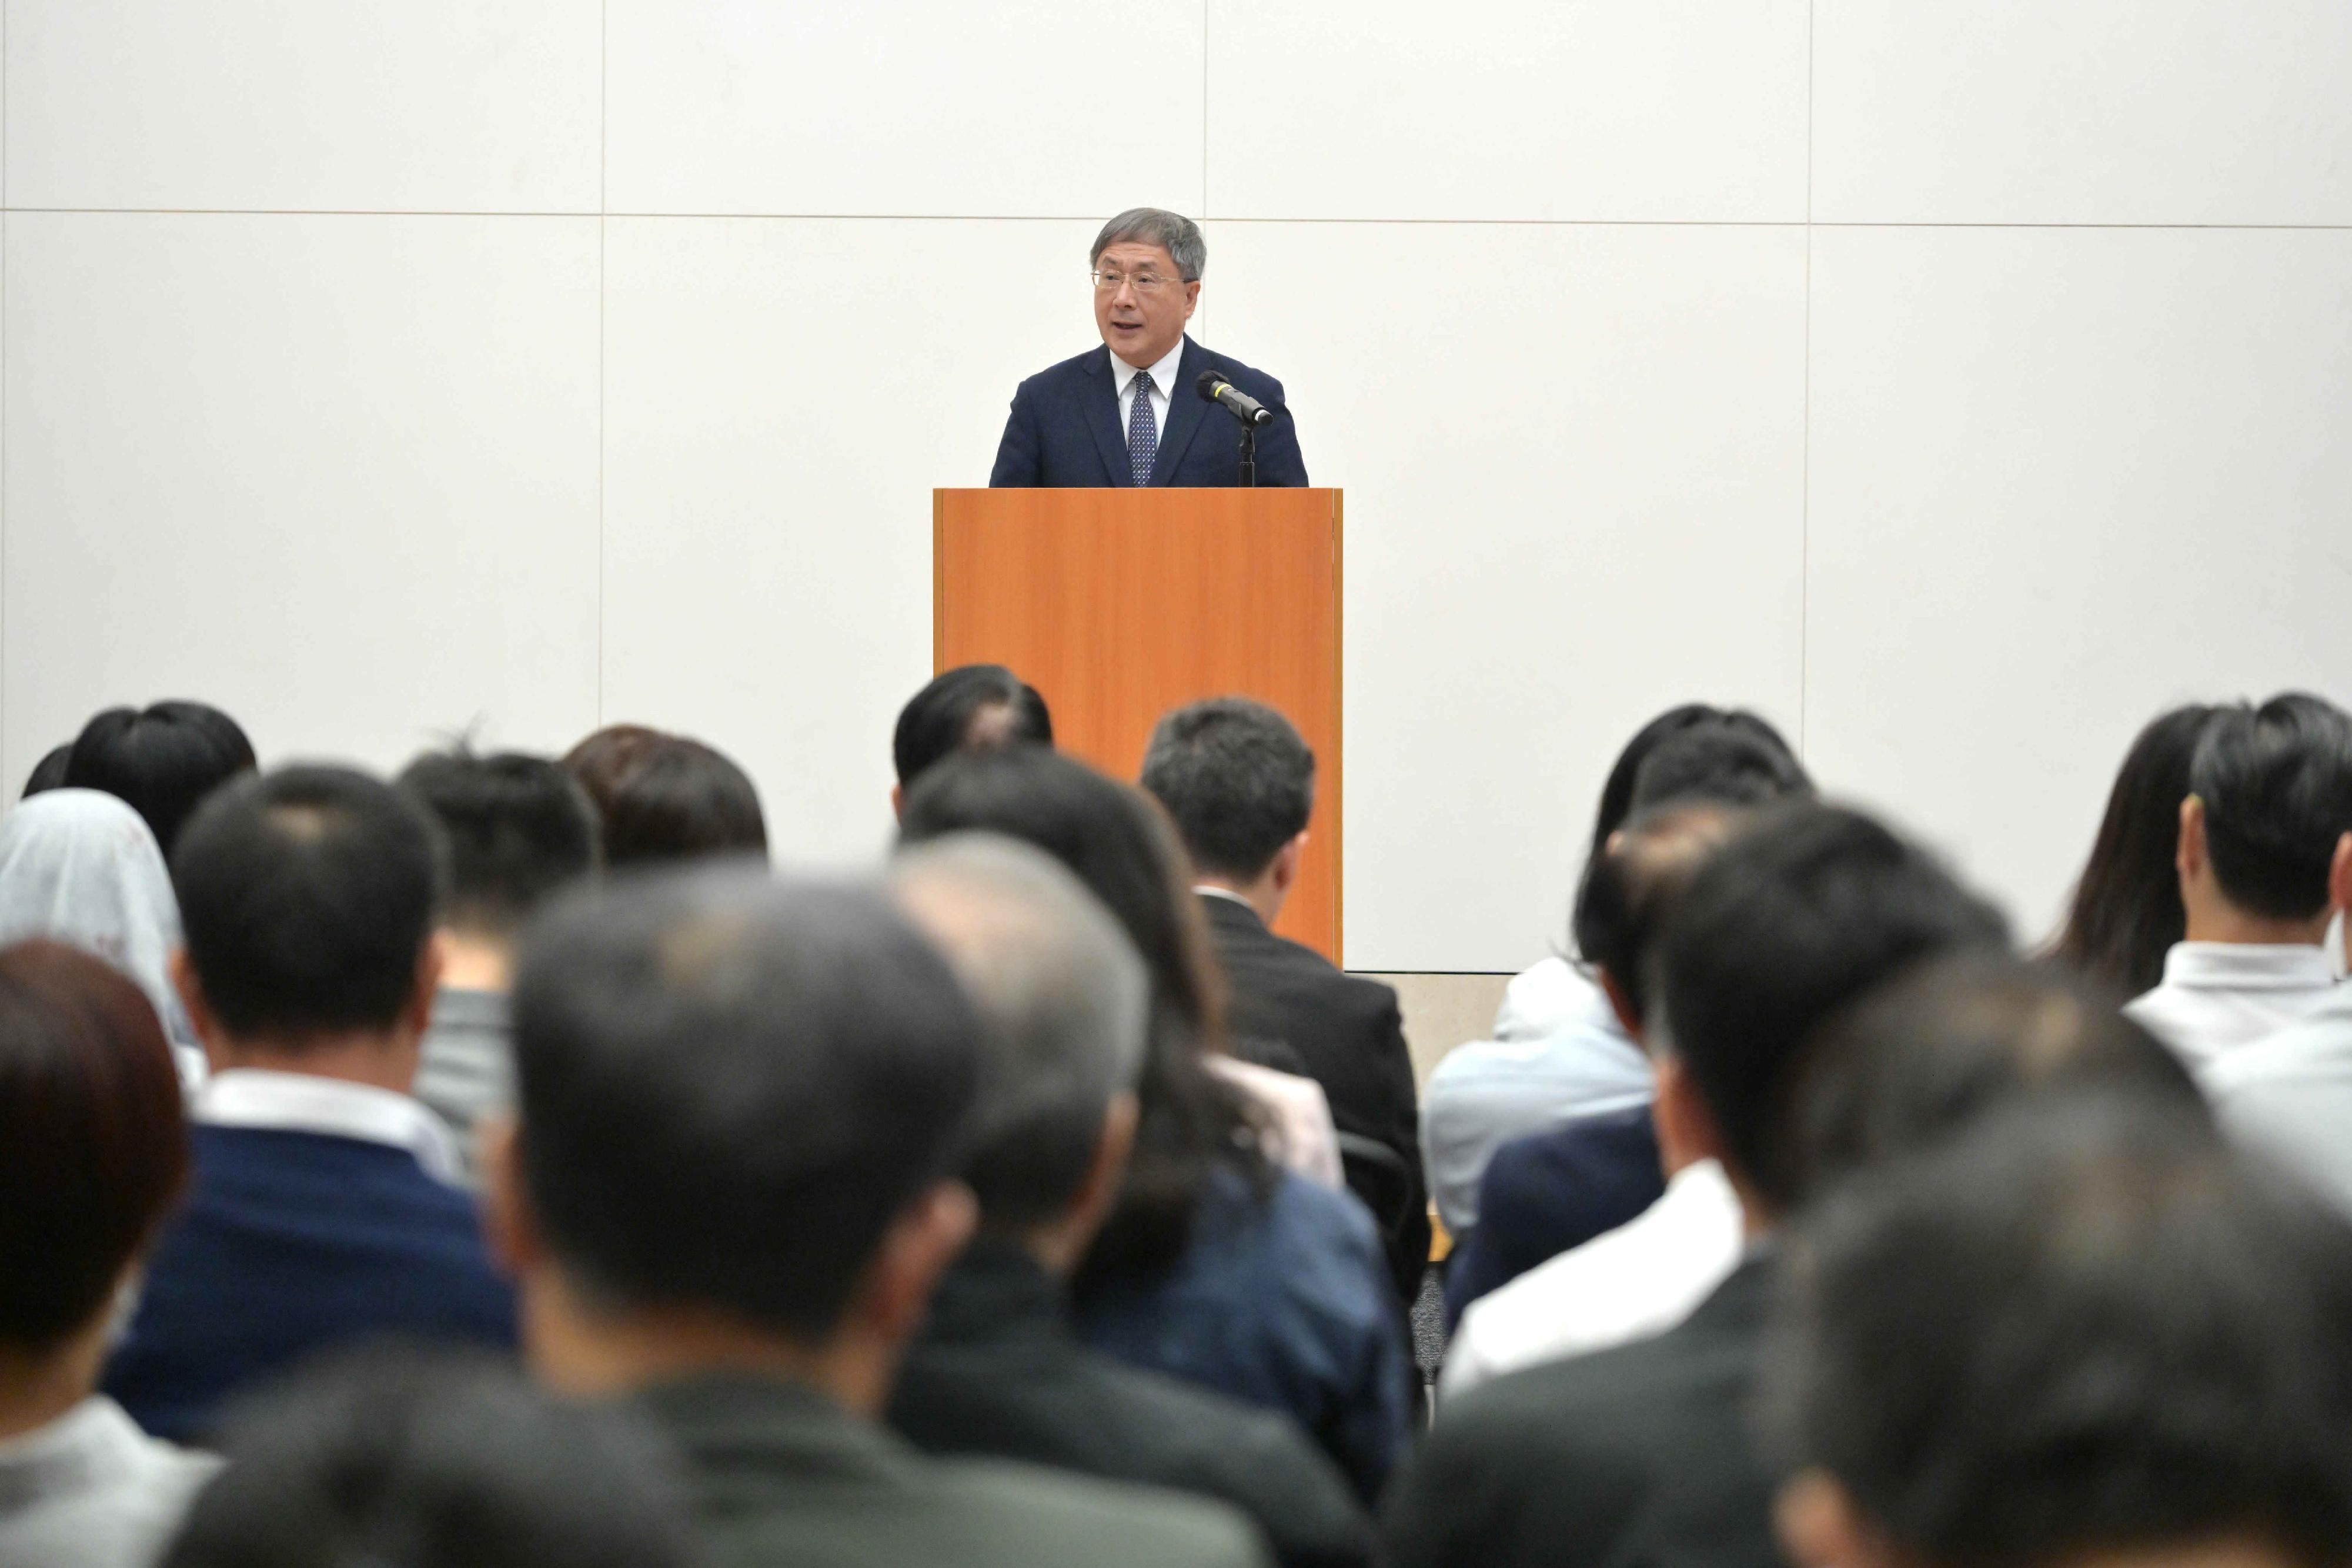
(1347,1035)
(999,1371)
(1552,1190)
(1641,1455)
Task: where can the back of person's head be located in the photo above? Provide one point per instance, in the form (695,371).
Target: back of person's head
(664,799)
(1063,1004)
(1733,760)
(93,1141)
(518,828)
(1952,1041)
(2126,911)
(389,1458)
(1631,886)
(2086,1333)
(163,759)
(1617,792)
(1807,909)
(973,707)
(729,1088)
(2276,784)
(49,772)
(308,896)
(1236,778)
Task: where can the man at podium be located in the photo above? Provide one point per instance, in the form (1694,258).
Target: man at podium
(1132,412)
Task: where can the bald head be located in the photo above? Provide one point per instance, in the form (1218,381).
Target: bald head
(1064,1003)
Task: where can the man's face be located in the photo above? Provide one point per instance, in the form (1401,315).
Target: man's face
(1141,323)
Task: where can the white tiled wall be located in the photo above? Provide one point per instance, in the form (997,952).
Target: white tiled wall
(1957,382)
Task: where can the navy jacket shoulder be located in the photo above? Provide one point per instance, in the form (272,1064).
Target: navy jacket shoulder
(292,1243)
(1064,432)
(1552,1190)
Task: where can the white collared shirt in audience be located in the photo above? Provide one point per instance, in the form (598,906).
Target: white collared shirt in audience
(89,1489)
(1640,1280)
(2217,997)
(1301,1113)
(1559,1052)
(2291,1096)
(306,1102)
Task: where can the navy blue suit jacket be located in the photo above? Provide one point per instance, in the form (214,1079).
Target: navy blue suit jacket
(1552,1190)
(1065,431)
(290,1244)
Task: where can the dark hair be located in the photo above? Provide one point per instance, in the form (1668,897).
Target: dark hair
(1631,886)
(1947,1042)
(164,760)
(2126,912)
(1807,909)
(1617,793)
(1733,760)
(307,895)
(663,799)
(49,772)
(2277,781)
(2088,1328)
(396,1460)
(970,707)
(1119,844)
(729,1087)
(1237,780)
(518,828)
(93,1142)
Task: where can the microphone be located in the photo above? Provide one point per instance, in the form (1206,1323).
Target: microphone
(1238,403)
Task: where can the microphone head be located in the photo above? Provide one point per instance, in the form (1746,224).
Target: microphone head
(1207,384)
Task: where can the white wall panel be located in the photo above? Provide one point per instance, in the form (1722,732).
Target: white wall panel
(2061,480)
(2092,112)
(781,396)
(1574,496)
(337,475)
(353,106)
(1645,110)
(1025,107)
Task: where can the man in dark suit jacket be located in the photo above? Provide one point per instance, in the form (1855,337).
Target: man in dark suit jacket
(1239,781)
(1644,1454)
(728,1197)
(1129,413)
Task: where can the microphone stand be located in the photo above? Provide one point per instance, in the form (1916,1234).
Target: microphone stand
(1249,455)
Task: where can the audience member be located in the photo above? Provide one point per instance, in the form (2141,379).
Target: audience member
(2289,1094)
(391,1460)
(49,772)
(2270,802)
(80,867)
(1631,1252)
(2082,1335)
(972,708)
(1642,1453)
(1560,1050)
(663,798)
(1215,1265)
(1239,783)
(728,1200)
(1064,1009)
(2127,912)
(519,828)
(93,1148)
(322,1208)
(164,760)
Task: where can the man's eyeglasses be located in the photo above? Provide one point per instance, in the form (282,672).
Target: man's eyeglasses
(1142,282)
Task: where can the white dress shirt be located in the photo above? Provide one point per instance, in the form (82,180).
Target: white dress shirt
(2216,996)
(307,1102)
(1161,379)
(2290,1096)
(89,1489)
(1301,1114)
(1637,1281)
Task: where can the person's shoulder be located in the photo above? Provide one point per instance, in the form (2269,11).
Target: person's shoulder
(1047,1517)
(1258,383)
(1598,1402)
(1064,372)
(2312,1054)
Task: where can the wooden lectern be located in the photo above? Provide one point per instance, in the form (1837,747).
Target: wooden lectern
(1121,604)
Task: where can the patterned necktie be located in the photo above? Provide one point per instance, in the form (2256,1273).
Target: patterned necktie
(1142,431)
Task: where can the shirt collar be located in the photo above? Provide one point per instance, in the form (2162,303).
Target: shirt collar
(306,1102)
(1206,891)
(2248,966)
(1163,374)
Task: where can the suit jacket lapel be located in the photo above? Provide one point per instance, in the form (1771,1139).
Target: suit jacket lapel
(1102,418)
(1185,412)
